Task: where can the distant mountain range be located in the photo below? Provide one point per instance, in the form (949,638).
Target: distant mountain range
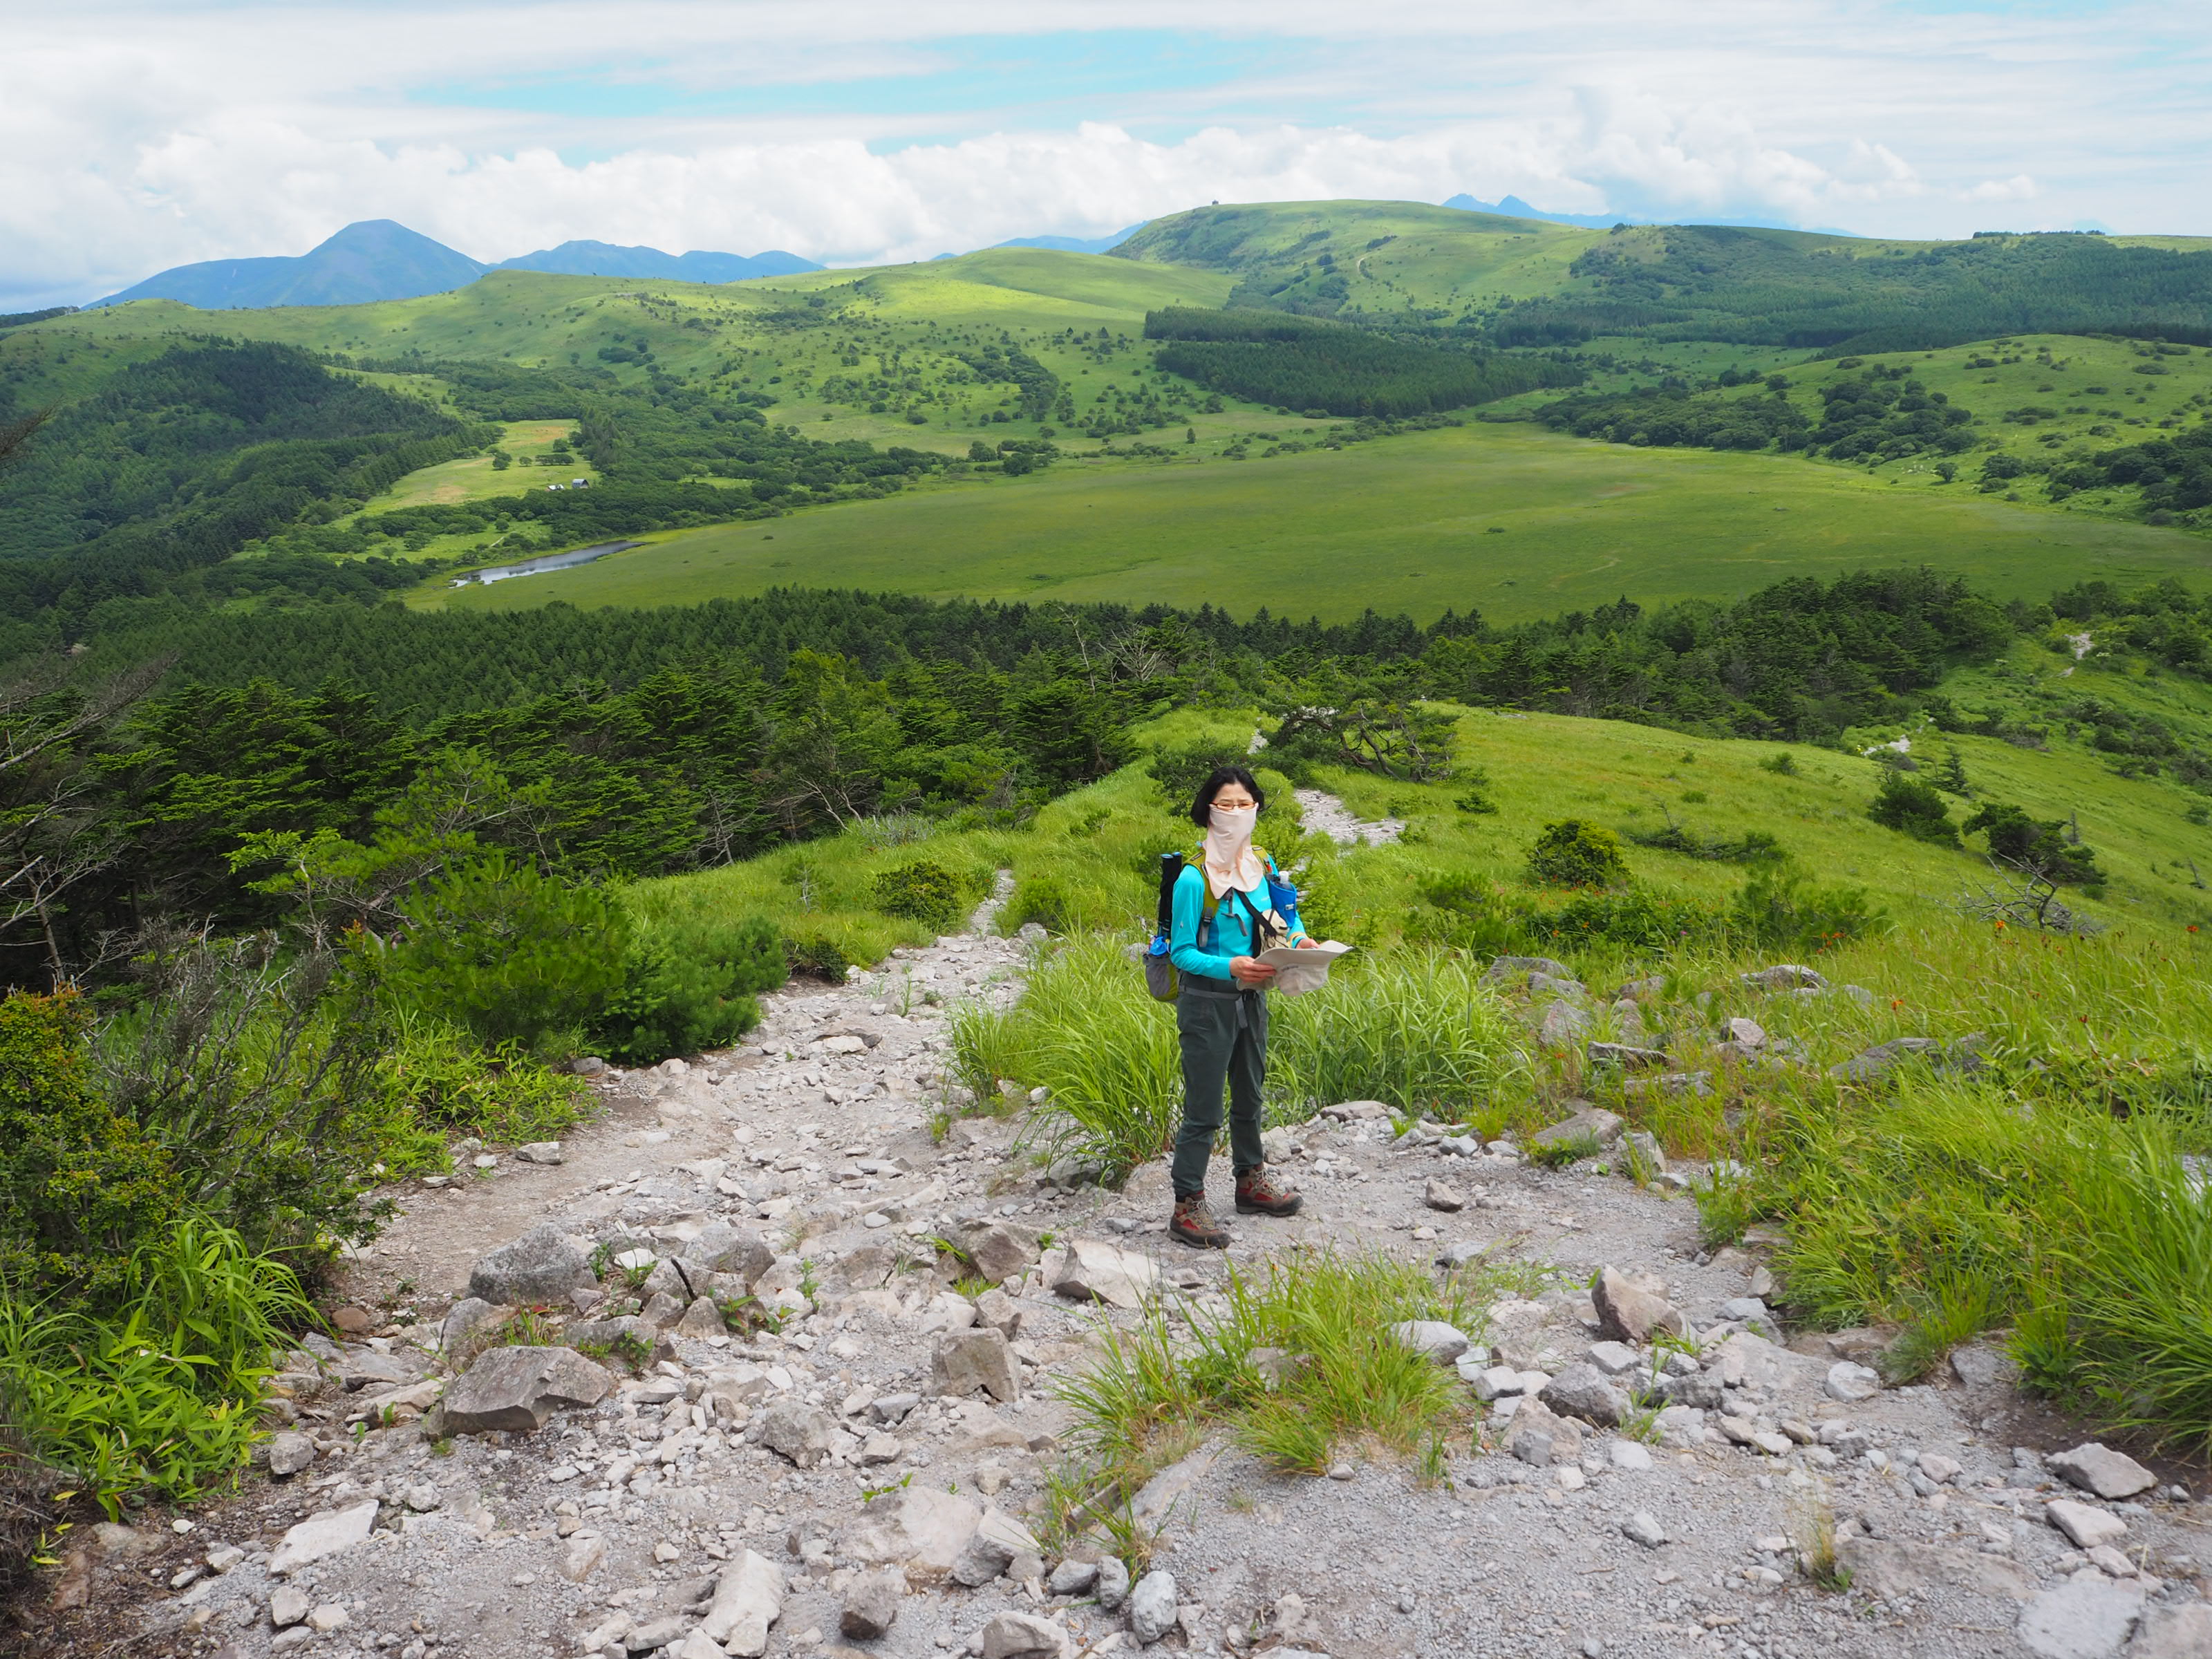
(1514,208)
(1078,244)
(379,259)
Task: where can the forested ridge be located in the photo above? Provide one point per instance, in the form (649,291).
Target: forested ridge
(1306,364)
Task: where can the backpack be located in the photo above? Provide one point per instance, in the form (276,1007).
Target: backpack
(1161,978)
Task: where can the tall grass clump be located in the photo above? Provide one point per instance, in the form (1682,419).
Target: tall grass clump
(1085,1030)
(1299,1363)
(1416,1029)
(1953,1206)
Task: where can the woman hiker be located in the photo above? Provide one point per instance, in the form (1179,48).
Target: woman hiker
(1226,910)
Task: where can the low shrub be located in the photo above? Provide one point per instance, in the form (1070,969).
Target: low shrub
(1782,909)
(1576,853)
(815,956)
(1913,806)
(1041,899)
(923,891)
(513,955)
(689,985)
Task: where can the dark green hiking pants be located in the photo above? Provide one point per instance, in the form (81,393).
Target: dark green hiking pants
(1224,1039)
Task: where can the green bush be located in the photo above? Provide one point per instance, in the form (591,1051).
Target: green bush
(1576,853)
(923,891)
(510,953)
(1781,909)
(1041,899)
(1913,806)
(2035,847)
(1626,915)
(79,1184)
(815,956)
(1180,769)
(159,1398)
(688,986)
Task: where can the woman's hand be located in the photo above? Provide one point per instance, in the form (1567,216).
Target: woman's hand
(1245,970)
(1306,944)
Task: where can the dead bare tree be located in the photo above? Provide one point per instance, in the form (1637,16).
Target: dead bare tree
(2024,896)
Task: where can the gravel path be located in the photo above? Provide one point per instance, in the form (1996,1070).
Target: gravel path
(609,1529)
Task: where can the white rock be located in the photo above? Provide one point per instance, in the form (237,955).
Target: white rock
(288,1605)
(1613,1358)
(1496,1383)
(1023,1635)
(2084,1524)
(748,1599)
(1092,1270)
(1852,1383)
(1627,1455)
(323,1534)
(1643,1527)
(2099,1469)
(2085,1618)
(1152,1606)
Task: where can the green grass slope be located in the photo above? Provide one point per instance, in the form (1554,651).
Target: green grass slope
(1404,524)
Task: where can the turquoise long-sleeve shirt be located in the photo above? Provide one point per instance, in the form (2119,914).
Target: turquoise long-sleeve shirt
(1205,945)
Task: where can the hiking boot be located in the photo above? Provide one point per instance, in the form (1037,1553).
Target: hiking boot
(1258,1193)
(1193,1224)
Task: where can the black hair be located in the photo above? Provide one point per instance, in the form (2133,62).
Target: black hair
(1201,807)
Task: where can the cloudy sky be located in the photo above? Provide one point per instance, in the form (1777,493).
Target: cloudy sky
(140,136)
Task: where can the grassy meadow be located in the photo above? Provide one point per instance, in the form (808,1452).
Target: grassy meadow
(1507,519)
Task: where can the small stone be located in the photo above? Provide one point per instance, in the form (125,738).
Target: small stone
(1340,1471)
(1153,1606)
(2098,1468)
(422,1497)
(1581,1391)
(1612,1359)
(2182,1632)
(2084,1525)
(892,1407)
(748,1600)
(1497,1382)
(805,1434)
(1094,1270)
(1442,1195)
(1939,1469)
(539,1267)
(1113,1584)
(288,1605)
(1023,1635)
(1630,1307)
(880,1448)
(1643,1527)
(223,1557)
(326,1617)
(1851,1383)
(289,1453)
(966,1361)
(540,1151)
(1073,1578)
(872,1605)
(1592,1125)
(1627,1455)
(582,1556)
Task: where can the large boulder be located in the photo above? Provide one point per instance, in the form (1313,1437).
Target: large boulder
(518,1389)
(1630,1306)
(541,1266)
(2084,1617)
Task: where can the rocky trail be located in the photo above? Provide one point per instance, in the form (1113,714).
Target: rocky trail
(622,1474)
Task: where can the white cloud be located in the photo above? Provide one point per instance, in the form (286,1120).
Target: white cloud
(136,136)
